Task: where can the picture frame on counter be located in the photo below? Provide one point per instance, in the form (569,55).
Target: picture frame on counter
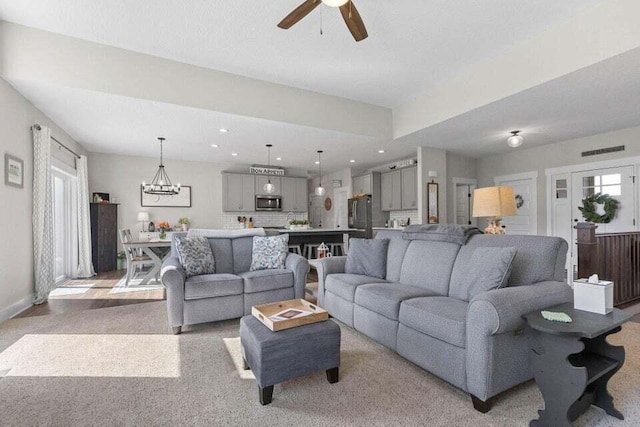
(433,211)
(180,200)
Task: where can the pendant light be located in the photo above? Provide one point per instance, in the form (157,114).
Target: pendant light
(515,140)
(269,188)
(161,184)
(320,190)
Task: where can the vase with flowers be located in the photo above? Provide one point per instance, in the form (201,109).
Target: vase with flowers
(163,226)
(184,223)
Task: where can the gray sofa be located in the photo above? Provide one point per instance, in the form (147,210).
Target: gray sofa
(233,290)
(419,311)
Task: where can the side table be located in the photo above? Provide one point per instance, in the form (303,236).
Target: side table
(572,362)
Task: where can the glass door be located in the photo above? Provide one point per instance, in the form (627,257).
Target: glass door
(64,225)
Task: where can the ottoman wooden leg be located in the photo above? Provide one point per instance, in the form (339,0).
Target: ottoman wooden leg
(266,394)
(333,375)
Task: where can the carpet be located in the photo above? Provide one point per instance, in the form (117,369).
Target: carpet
(120,366)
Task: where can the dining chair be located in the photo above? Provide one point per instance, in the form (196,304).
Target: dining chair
(133,258)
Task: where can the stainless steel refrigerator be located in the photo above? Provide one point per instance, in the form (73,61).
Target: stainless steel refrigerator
(361,217)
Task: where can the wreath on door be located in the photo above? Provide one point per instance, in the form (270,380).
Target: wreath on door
(519,201)
(590,204)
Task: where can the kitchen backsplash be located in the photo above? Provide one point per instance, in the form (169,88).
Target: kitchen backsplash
(260,219)
(403,215)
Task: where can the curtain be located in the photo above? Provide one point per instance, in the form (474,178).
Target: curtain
(85,266)
(43,249)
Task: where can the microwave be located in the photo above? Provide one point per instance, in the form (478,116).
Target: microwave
(268,203)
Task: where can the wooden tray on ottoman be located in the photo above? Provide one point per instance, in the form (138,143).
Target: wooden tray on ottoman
(264,311)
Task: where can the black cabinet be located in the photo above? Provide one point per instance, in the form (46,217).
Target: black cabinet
(104,236)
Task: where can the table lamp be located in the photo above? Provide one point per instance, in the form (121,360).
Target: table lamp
(494,203)
(143,217)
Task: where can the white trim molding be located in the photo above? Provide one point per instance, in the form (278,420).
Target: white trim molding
(15,308)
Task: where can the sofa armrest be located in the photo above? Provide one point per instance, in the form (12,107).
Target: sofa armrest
(173,277)
(326,266)
(300,267)
(501,310)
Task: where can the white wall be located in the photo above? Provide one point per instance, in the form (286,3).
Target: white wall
(328,216)
(16,255)
(458,167)
(555,155)
(432,159)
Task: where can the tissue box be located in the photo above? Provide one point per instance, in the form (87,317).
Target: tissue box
(596,298)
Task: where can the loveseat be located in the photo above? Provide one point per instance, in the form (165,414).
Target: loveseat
(233,289)
(419,308)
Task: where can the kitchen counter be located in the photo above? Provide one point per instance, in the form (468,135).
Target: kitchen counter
(387,228)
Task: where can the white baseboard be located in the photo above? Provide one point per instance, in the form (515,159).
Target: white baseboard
(15,308)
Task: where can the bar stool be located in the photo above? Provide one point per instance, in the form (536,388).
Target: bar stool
(295,249)
(307,251)
(334,246)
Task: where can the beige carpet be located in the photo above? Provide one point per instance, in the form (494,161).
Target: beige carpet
(118,366)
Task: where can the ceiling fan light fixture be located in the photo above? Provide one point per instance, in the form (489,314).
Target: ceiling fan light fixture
(335,3)
(515,140)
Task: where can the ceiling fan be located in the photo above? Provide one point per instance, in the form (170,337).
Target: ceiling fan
(347,8)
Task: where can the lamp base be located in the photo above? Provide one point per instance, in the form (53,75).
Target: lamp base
(494,227)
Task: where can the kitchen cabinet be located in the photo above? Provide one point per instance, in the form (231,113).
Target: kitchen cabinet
(409,188)
(239,192)
(391,191)
(294,194)
(362,184)
(261,180)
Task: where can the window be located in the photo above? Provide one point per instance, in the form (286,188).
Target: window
(606,184)
(64,224)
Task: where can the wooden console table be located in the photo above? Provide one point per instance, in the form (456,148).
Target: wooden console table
(572,362)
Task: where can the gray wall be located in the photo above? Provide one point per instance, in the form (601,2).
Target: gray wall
(555,155)
(16,255)
(344,175)
(458,166)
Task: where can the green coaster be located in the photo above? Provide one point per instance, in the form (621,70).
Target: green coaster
(556,316)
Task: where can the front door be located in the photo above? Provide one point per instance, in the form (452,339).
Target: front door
(526,219)
(463,204)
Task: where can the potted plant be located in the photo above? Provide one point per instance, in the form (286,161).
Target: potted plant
(163,226)
(121,260)
(299,224)
(184,223)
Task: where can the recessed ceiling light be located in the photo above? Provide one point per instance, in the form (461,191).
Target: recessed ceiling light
(214,145)
(224,130)
(381,151)
(234,154)
(352,161)
(278,158)
(317,162)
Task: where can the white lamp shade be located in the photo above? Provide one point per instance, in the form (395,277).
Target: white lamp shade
(143,216)
(269,188)
(320,191)
(495,202)
(335,3)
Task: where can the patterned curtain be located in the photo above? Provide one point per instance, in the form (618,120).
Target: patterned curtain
(43,249)
(85,266)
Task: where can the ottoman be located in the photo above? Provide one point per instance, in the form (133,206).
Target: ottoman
(275,357)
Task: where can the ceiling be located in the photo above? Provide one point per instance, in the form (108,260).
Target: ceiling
(412,45)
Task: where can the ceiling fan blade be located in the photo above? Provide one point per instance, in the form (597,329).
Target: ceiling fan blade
(354,21)
(300,12)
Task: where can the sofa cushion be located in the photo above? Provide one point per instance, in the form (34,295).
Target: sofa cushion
(242,249)
(488,269)
(443,318)
(212,285)
(266,280)
(269,252)
(223,254)
(395,253)
(195,255)
(428,265)
(344,285)
(385,298)
(367,257)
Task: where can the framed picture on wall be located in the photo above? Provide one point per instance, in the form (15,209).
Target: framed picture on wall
(13,171)
(433,214)
(180,200)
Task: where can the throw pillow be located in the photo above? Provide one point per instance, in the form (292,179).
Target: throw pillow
(367,257)
(195,255)
(489,268)
(269,252)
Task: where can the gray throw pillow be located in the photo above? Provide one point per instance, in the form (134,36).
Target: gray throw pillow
(195,255)
(367,257)
(269,252)
(488,269)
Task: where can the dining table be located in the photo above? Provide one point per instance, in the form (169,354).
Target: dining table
(156,249)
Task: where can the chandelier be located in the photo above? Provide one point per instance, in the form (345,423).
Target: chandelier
(161,184)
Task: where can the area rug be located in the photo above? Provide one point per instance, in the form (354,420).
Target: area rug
(120,366)
(70,289)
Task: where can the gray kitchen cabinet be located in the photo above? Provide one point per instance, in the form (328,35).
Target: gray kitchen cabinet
(239,192)
(391,191)
(261,180)
(294,194)
(409,188)
(362,184)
